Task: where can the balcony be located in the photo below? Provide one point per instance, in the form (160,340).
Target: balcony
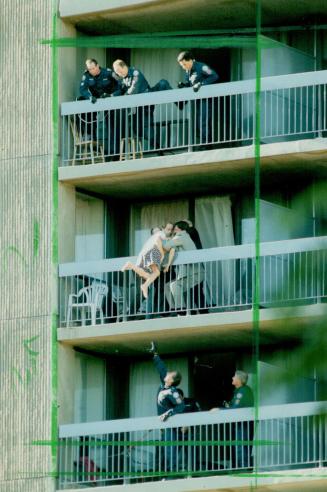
(293,107)
(205,444)
(292,273)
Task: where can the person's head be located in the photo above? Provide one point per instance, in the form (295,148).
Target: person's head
(186,60)
(155,229)
(179,226)
(92,66)
(172,378)
(168,229)
(120,67)
(239,379)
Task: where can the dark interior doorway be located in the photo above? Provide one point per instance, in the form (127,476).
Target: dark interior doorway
(211,378)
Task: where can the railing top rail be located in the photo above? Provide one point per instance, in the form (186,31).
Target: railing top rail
(200,418)
(215,90)
(203,255)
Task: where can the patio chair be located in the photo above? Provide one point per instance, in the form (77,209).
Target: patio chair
(88,298)
(84,148)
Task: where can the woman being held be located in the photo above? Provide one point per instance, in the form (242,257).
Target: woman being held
(149,260)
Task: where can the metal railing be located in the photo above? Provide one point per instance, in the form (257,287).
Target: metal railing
(292,272)
(292,107)
(197,444)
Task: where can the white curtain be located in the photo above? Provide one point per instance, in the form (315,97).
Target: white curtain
(144,383)
(156,67)
(213,220)
(90,388)
(144,217)
(89,229)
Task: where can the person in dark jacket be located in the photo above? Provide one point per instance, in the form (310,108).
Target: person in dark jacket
(98,83)
(140,122)
(169,403)
(199,74)
(242,398)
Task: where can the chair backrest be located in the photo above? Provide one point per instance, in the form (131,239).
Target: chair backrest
(75,130)
(117,293)
(99,290)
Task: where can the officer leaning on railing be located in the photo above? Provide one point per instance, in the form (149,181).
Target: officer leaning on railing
(198,74)
(98,82)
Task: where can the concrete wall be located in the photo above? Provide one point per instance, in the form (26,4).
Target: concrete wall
(28,282)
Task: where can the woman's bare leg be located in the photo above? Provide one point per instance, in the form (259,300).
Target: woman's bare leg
(130,266)
(155,274)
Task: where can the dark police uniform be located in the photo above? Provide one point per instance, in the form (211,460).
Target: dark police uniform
(201,74)
(106,82)
(242,398)
(168,399)
(169,402)
(141,122)
(241,457)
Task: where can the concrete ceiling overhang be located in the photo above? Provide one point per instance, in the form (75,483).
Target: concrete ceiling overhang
(198,333)
(222,170)
(128,16)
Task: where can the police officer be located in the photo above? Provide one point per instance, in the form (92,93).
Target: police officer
(242,398)
(98,83)
(198,74)
(169,403)
(132,81)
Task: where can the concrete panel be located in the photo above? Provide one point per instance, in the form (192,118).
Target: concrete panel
(25,399)
(25,224)
(34,485)
(66,223)
(26,77)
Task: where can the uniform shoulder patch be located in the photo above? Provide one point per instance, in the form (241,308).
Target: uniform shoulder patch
(206,69)
(136,72)
(239,395)
(84,77)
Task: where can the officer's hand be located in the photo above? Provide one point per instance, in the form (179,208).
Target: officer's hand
(93,99)
(104,95)
(196,87)
(165,416)
(181,85)
(153,348)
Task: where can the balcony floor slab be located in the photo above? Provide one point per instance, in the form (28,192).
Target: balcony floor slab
(223,169)
(203,331)
(286,481)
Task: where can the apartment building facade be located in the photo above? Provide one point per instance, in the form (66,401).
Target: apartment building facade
(97,427)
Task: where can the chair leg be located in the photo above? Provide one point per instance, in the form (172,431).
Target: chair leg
(122,145)
(74,155)
(83,317)
(69,312)
(140,149)
(93,315)
(133,148)
(102,153)
(92,153)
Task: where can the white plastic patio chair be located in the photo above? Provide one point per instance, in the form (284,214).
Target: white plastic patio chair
(92,298)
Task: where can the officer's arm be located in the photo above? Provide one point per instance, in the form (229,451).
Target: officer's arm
(84,88)
(209,75)
(135,87)
(160,366)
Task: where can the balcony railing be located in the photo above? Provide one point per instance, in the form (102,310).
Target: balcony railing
(292,107)
(292,272)
(199,444)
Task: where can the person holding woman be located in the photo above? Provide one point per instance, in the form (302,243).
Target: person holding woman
(149,260)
